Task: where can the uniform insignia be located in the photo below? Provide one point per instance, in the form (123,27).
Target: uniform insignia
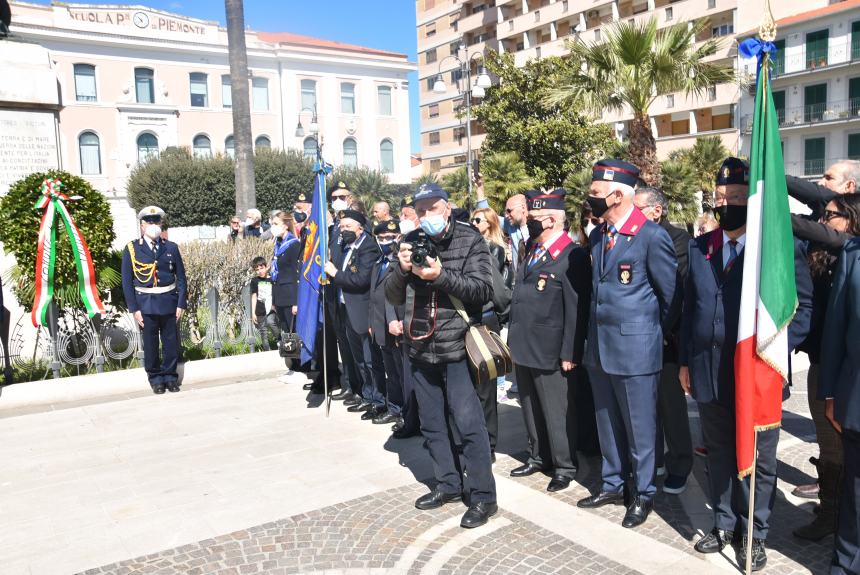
(625,273)
(341,185)
(303,198)
(634,228)
(392,226)
(541,283)
(353,268)
(609,175)
(340,215)
(726,172)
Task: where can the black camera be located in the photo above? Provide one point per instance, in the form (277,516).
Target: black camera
(422,248)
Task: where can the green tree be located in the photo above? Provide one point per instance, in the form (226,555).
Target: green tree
(553,139)
(504,174)
(366,184)
(680,186)
(636,64)
(427,178)
(281,175)
(456,183)
(705,158)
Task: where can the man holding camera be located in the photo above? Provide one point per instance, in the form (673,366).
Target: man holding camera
(441,262)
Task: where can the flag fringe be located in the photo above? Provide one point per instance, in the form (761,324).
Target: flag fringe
(748,471)
(760,348)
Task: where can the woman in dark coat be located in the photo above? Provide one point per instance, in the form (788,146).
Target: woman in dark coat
(285,269)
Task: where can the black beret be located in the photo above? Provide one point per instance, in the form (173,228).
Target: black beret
(387,227)
(733,171)
(407,201)
(303,197)
(353,215)
(552,200)
(340,185)
(611,170)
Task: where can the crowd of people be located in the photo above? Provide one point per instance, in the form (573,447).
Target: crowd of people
(611,320)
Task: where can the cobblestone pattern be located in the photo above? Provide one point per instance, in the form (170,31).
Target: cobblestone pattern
(371,533)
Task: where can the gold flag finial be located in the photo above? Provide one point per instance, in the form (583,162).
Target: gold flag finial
(767,29)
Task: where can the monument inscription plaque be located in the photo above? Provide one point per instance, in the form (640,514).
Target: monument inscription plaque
(28,144)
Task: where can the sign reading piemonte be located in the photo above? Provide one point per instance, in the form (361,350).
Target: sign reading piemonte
(138,21)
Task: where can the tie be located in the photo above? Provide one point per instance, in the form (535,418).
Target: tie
(610,239)
(521,251)
(382,269)
(733,255)
(538,254)
(154,247)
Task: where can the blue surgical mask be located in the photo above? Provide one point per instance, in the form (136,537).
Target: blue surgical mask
(386,247)
(434,224)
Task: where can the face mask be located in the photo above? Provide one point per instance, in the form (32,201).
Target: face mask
(731,217)
(434,224)
(347,237)
(339,205)
(300,217)
(598,206)
(153,231)
(277,230)
(249,222)
(406,226)
(535,228)
(387,247)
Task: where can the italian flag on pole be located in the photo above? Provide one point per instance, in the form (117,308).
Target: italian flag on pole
(769,294)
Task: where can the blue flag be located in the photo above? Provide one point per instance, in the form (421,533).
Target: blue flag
(312,275)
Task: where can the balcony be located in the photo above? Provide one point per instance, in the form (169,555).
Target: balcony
(812,114)
(809,168)
(533,18)
(553,48)
(477,20)
(798,60)
(667,144)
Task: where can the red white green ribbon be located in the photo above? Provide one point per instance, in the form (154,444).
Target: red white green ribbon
(46,256)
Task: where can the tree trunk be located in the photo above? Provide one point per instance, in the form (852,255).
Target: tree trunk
(643,150)
(246,196)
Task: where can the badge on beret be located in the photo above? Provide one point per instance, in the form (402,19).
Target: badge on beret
(341,185)
(541,283)
(726,172)
(340,215)
(392,227)
(625,273)
(608,174)
(407,199)
(303,198)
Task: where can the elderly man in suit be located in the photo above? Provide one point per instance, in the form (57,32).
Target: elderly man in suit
(709,333)
(839,387)
(633,283)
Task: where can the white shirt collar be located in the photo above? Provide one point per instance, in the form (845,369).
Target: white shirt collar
(741,240)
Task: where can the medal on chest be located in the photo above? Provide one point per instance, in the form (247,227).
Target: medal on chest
(625,273)
(541,282)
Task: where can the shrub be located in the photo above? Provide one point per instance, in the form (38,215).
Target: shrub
(281,175)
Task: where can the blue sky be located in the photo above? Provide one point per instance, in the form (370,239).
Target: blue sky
(384,24)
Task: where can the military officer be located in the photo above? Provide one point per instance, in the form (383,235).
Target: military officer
(633,283)
(549,312)
(153,281)
(709,332)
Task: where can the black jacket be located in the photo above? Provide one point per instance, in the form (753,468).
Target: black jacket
(815,197)
(381,311)
(433,329)
(285,290)
(681,242)
(354,280)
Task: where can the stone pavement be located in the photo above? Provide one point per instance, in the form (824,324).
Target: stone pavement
(250,477)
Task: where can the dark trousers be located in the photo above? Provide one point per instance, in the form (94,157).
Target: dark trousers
(327,345)
(488,397)
(626,412)
(846,552)
(350,371)
(587,440)
(673,424)
(549,407)
(266,325)
(160,367)
(729,495)
(409,413)
(370,379)
(443,389)
(392,358)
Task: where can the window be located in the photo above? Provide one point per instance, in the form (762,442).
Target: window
(712,93)
(433,138)
(88,147)
(458,134)
(433,110)
(260,94)
(350,153)
(456,75)
(855,40)
(597,35)
(564,6)
(202,146)
(723,30)
(386,156)
(199,90)
(669,13)
(814,102)
(854,96)
(537,15)
(85,83)
(310,148)
(854,146)
(144,85)
(430,29)
(813,156)
(226,91)
(435,165)
(670,101)
(147,145)
(230,147)
(454,47)
(430,56)
(779,105)
(309,94)
(712,4)
(479,8)
(430,81)
(347,98)
(779,57)
(262,142)
(459,160)
(816,48)
(383,97)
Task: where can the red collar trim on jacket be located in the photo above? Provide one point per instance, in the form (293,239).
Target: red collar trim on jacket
(714,242)
(634,223)
(558,245)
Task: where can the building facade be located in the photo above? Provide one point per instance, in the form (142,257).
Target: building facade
(539,28)
(816,88)
(134,81)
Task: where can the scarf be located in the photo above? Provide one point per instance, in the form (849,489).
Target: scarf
(281,246)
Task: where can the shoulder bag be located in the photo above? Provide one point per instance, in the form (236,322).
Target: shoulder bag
(489,356)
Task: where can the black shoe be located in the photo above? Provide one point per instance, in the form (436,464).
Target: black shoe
(158,389)
(714,542)
(361,407)
(638,512)
(436,499)
(526,470)
(492,456)
(759,556)
(384,418)
(373,413)
(354,400)
(344,394)
(398,425)
(173,387)
(404,433)
(557,483)
(308,386)
(601,499)
(478,514)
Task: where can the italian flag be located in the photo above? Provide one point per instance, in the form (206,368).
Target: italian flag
(769,294)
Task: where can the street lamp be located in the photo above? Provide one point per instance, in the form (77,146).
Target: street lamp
(469,91)
(314,127)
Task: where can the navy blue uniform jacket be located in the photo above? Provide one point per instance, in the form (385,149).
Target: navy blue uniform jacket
(631,294)
(709,321)
(354,281)
(169,270)
(840,351)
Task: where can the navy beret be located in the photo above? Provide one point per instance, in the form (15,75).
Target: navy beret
(353,215)
(387,227)
(340,185)
(611,170)
(552,200)
(733,171)
(407,201)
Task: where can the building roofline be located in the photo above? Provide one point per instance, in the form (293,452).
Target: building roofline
(288,38)
(828,10)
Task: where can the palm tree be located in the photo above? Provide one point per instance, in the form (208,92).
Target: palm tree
(680,186)
(246,196)
(635,65)
(504,175)
(705,157)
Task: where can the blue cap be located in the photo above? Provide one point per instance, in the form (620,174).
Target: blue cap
(429,191)
(733,171)
(611,170)
(552,200)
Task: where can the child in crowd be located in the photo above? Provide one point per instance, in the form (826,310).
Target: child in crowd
(264,315)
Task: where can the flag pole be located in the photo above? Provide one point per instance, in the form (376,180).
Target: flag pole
(323,283)
(751,510)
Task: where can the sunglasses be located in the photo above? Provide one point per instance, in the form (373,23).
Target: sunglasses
(830,214)
(509,210)
(340,197)
(477,220)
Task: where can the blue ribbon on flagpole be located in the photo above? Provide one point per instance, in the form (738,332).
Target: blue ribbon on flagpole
(757,48)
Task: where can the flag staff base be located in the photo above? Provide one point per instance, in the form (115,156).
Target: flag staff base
(324,350)
(751,510)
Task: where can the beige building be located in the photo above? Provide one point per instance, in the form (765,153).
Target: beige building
(537,28)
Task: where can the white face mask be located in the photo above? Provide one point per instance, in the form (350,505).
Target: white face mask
(249,222)
(152,231)
(339,204)
(277,230)
(406,226)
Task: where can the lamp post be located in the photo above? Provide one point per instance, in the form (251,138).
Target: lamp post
(314,128)
(469,91)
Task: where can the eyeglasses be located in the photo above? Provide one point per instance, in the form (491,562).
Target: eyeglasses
(509,210)
(830,214)
(477,220)
(340,197)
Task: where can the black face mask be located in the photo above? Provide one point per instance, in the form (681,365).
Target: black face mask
(598,206)
(731,217)
(300,216)
(535,228)
(347,237)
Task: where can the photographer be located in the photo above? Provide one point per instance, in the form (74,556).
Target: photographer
(440,261)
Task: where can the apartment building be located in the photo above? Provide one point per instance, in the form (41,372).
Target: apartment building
(816,88)
(539,28)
